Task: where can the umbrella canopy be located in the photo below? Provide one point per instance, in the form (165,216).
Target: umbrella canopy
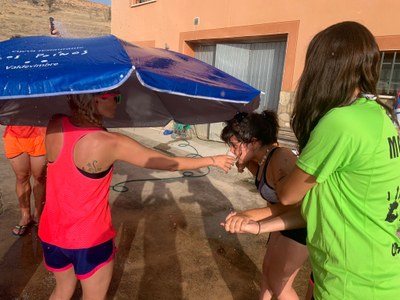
(156,85)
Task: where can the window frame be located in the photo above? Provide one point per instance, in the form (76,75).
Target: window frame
(392,67)
(136,3)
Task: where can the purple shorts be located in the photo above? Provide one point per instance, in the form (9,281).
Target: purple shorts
(85,261)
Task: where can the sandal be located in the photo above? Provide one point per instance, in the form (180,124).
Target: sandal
(20,230)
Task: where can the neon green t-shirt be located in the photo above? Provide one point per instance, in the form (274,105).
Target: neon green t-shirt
(352,212)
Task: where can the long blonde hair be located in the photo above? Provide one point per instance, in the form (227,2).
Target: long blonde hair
(83,106)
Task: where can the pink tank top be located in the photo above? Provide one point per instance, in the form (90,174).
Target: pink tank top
(77,212)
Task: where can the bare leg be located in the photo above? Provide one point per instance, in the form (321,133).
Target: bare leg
(38,168)
(65,285)
(266,293)
(282,261)
(21,167)
(96,286)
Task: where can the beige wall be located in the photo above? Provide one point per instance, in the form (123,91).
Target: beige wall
(169,23)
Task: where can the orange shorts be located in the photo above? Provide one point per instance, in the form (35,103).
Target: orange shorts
(14,146)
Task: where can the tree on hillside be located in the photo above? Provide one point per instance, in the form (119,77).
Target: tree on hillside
(50,4)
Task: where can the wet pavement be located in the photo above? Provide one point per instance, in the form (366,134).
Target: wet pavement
(170,244)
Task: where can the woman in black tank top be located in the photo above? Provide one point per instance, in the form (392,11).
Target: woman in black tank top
(253,140)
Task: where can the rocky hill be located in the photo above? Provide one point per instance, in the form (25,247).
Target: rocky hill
(73,18)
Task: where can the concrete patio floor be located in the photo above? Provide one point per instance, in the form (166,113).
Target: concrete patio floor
(170,244)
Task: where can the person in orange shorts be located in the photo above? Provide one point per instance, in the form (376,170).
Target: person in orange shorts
(24,148)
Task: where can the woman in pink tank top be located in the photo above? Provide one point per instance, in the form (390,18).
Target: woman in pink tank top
(76,218)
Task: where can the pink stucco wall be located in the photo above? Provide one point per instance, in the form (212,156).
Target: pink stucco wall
(170,23)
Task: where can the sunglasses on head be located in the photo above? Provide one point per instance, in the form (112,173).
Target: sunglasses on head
(117,96)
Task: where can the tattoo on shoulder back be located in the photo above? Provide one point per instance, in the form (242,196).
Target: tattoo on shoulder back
(92,167)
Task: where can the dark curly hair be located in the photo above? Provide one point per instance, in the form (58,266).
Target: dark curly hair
(261,126)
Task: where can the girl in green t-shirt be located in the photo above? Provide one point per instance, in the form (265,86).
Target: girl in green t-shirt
(347,174)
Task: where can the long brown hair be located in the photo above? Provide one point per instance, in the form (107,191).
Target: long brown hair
(339,59)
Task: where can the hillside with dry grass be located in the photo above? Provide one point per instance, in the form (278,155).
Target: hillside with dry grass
(73,18)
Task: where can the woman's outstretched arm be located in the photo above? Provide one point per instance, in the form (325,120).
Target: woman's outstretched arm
(290,219)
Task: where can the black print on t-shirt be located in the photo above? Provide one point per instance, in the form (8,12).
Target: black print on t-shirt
(392,214)
(394,146)
(395,249)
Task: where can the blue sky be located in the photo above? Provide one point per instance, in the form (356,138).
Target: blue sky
(108,2)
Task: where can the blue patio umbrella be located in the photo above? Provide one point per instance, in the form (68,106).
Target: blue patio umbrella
(157,85)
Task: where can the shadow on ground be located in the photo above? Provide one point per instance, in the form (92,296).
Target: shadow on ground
(170,244)
(182,250)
